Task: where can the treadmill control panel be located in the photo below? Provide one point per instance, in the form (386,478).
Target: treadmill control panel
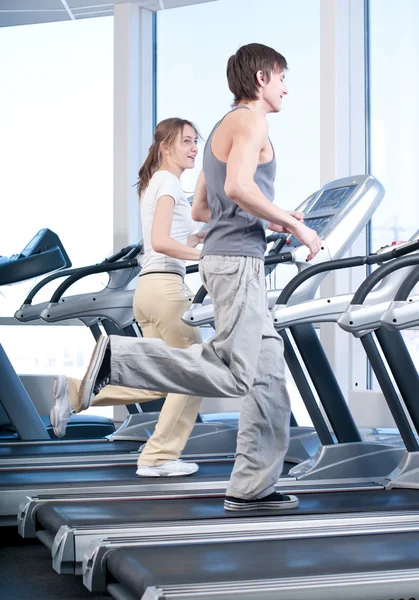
(323,210)
(316,223)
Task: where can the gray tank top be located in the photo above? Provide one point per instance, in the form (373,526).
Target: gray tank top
(232,230)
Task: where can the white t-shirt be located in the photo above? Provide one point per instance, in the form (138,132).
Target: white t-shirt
(163,183)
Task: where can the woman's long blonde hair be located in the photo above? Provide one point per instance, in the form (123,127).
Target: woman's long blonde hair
(166,131)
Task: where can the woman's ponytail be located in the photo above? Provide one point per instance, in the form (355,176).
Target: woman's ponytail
(150,166)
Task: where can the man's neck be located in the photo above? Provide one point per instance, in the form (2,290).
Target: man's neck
(257,106)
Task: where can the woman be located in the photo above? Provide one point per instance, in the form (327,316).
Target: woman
(160,299)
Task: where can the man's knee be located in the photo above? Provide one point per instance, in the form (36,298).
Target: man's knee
(243,385)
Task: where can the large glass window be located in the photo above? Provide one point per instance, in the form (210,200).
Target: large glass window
(394,123)
(56,157)
(193,46)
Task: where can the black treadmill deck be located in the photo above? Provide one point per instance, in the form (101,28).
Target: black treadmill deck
(138,568)
(107,475)
(72,447)
(52,515)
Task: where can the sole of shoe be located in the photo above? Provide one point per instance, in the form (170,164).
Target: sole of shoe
(88,381)
(272,505)
(165,474)
(59,393)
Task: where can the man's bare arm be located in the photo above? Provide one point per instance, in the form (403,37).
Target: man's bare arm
(200,209)
(249,137)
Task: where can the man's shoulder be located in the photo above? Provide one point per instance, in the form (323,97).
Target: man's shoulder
(243,121)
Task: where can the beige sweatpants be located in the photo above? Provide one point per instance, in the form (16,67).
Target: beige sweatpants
(159,303)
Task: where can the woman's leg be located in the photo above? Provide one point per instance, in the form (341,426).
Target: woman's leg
(111,395)
(163,299)
(67,399)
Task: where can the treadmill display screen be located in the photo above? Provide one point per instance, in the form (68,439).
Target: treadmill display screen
(333,199)
(316,223)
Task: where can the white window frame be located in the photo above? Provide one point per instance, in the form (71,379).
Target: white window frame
(343,153)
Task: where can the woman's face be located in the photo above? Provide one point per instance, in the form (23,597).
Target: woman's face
(184,149)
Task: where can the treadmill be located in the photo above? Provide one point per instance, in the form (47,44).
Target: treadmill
(198,484)
(351,456)
(87,435)
(386,328)
(74,527)
(345,555)
(354,201)
(378,566)
(19,419)
(340,560)
(62,525)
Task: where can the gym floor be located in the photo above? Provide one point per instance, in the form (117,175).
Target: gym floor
(27,574)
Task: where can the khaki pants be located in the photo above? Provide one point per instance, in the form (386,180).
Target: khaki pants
(159,303)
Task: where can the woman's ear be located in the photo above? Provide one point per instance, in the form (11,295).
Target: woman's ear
(164,148)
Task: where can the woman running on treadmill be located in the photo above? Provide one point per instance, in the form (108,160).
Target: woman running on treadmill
(160,299)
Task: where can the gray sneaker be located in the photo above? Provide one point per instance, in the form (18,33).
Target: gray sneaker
(61,410)
(171,468)
(98,372)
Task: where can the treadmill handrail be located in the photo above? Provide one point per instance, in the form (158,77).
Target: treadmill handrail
(375,277)
(41,284)
(273,237)
(192,269)
(407,286)
(129,251)
(343,263)
(102,268)
(91,270)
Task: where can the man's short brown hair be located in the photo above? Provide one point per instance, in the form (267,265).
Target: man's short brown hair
(243,66)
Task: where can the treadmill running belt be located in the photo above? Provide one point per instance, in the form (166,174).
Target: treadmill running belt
(59,448)
(107,475)
(138,568)
(52,515)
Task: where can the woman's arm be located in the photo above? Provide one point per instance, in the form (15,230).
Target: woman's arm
(200,210)
(160,232)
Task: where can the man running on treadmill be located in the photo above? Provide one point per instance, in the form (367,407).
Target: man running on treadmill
(234,194)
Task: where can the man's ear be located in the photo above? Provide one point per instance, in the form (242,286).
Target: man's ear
(261,79)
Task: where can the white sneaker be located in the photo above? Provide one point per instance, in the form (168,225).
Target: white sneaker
(171,468)
(61,410)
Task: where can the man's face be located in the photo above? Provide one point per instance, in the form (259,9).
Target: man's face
(275,90)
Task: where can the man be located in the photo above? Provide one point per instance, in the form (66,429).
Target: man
(245,358)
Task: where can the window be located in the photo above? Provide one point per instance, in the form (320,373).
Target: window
(56,156)
(193,46)
(56,115)
(394,124)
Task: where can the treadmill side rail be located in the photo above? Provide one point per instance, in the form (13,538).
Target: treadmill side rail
(26,518)
(63,552)
(368,586)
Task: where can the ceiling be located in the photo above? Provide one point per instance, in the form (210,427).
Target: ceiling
(26,12)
